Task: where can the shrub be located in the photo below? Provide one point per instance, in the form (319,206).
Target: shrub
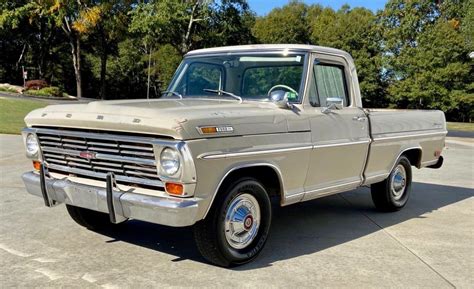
(36,84)
(7,89)
(47,91)
(53,90)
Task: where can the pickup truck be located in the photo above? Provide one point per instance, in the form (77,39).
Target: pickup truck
(239,130)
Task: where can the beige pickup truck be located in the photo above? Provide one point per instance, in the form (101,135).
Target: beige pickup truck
(237,128)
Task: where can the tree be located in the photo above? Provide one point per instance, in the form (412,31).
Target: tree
(354,30)
(228,22)
(187,25)
(426,55)
(110,29)
(129,73)
(283,25)
(170,21)
(26,33)
(351,30)
(164,63)
(159,22)
(76,18)
(467,25)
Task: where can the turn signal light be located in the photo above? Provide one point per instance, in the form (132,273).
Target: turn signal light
(209,129)
(36,165)
(174,189)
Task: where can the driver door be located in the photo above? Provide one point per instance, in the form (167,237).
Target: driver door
(340,135)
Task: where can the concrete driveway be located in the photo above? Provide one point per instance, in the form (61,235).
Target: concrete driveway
(337,241)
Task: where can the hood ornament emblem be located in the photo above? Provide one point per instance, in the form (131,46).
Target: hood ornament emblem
(87,155)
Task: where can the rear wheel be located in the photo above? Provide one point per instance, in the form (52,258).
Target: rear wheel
(90,219)
(236,228)
(392,194)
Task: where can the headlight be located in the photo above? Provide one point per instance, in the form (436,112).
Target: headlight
(169,160)
(32,146)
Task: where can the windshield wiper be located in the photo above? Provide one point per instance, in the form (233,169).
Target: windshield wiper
(172,92)
(224,92)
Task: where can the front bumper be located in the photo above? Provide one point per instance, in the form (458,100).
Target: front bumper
(173,212)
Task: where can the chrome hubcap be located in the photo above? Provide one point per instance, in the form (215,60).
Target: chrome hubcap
(398,182)
(242,221)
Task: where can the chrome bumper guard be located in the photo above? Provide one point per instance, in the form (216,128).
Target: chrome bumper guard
(120,205)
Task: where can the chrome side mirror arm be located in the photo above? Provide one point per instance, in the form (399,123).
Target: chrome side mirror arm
(333,103)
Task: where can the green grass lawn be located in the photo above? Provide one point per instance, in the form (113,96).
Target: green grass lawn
(13,111)
(464,126)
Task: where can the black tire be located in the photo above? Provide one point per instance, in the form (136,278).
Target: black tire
(209,233)
(90,219)
(382,196)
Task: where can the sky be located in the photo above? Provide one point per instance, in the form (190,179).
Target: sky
(262,7)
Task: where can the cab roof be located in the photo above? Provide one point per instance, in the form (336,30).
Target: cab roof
(268,47)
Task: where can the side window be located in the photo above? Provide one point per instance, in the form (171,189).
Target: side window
(328,82)
(202,76)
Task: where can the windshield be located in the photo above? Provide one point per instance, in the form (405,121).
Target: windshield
(247,76)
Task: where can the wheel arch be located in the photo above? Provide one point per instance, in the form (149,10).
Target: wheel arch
(413,154)
(266,175)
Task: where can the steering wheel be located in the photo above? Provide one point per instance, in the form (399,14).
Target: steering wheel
(282,86)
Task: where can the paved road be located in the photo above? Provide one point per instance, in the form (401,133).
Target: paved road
(337,241)
(461,133)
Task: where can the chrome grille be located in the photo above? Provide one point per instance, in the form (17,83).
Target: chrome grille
(131,159)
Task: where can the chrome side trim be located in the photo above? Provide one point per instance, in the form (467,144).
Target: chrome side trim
(411,136)
(326,192)
(280,150)
(277,170)
(207,156)
(341,144)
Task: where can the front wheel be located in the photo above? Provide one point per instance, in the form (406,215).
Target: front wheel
(236,228)
(392,193)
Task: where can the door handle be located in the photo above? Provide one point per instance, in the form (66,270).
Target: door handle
(359,118)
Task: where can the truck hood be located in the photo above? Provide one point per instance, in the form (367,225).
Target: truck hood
(177,119)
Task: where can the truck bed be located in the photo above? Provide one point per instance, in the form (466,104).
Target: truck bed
(395,131)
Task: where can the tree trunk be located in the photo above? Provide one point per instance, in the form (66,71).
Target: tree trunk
(76,59)
(75,44)
(103,65)
(185,43)
(103,71)
(149,67)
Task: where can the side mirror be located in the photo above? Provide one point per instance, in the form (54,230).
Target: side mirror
(333,103)
(280,99)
